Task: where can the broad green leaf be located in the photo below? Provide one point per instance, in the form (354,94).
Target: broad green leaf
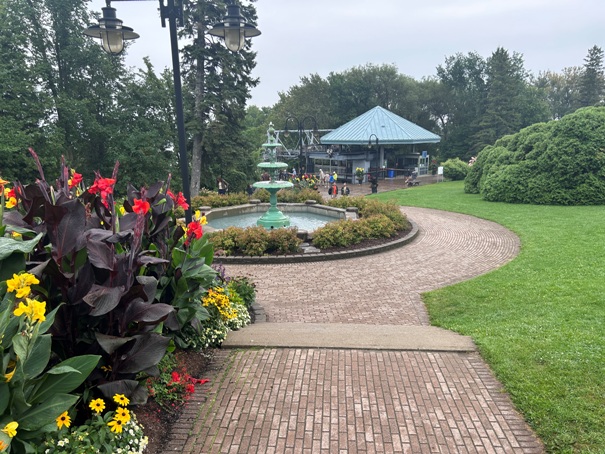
(4,395)
(10,245)
(46,412)
(38,357)
(50,318)
(66,376)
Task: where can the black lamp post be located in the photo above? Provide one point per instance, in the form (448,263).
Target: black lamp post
(113,34)
(300,125)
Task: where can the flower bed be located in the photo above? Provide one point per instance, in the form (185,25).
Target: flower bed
(92,297)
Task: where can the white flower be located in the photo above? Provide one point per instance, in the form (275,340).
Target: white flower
(60,443)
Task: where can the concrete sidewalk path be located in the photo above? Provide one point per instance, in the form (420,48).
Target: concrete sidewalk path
(350,336)
(347,361)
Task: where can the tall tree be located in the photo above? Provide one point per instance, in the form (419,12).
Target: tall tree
(218,83)
(76,82)
(560,90)
(463,76)
(592,82)
(505,83)
(22,108)
(143,135)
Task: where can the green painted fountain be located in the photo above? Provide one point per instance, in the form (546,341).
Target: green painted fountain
(273,218)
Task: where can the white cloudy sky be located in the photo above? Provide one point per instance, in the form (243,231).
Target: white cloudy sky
(302,37)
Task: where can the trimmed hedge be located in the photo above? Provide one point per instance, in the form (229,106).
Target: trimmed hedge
(556,163)
(378,220)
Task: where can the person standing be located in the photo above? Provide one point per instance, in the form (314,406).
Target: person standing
(345,190)
(322,177)
(222,186)
(335,176)
(334,190)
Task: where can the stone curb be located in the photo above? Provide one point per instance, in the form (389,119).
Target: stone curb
(320,256)
(349,336)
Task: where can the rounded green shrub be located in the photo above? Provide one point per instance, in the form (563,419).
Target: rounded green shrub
(455,169)
(556,163)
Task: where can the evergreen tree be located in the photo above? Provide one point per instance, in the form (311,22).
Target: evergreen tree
(218,83)
(592,82)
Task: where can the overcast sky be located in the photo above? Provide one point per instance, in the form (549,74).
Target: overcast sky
(302,37)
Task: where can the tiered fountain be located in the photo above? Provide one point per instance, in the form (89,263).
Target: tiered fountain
(273,218)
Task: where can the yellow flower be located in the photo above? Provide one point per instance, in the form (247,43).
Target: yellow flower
(11,429)
(122,210)
(200,217)
(16,234)
(38,310)
(121,399)
(20,284)
(34,310)
(122,414)
(115,425)
(10,202)
(23,309)
(2,183)
(63,420)
(9,375)
(97,405)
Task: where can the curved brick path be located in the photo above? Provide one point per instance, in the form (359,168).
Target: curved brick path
(293,400)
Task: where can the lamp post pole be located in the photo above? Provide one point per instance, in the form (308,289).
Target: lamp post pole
(301,129)
(374,138)
(113,34)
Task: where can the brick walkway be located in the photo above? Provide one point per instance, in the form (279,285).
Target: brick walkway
(293,400)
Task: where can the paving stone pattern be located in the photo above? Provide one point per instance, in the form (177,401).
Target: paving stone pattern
(291,400)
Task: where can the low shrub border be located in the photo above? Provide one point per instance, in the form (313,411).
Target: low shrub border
(321,256)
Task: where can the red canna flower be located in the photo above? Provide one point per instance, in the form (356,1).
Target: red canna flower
(179,199)
(194,229)
(175,377)
(190,388)
(140,206)
(104,186)
(76,179)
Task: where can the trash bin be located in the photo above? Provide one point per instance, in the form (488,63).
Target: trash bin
(390,173)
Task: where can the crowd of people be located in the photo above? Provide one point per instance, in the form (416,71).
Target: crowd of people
(322,179)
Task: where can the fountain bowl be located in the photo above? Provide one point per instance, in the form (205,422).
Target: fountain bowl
(310,208)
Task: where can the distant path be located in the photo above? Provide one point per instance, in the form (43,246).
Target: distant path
(385,288)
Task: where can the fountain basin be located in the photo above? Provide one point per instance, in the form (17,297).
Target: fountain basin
(312,215)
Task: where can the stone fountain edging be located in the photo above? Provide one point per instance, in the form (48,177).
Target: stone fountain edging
(320,256)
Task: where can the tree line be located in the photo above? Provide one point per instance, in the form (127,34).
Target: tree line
(471,101)
(61,95)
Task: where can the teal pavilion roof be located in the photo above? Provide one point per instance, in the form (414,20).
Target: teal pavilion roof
(386,126)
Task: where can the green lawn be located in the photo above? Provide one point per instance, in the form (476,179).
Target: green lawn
(539,321)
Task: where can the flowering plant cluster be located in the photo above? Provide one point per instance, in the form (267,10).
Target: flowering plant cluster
(116,431)
(172,387)
(31,394)
(359,171)
(308,181)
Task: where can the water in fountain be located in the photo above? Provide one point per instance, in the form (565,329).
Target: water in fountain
(273,218)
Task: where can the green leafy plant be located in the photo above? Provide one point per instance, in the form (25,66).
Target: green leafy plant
(455,169)
(245,288)
(33,389)
(173,386)
(117,275)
